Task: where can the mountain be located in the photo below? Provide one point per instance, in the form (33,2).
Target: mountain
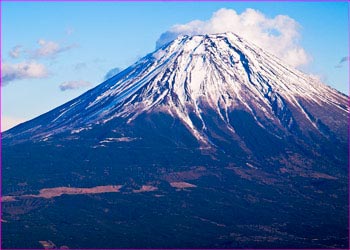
(208,142)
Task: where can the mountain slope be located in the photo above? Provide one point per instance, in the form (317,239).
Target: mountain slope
(208,133)
(220,72)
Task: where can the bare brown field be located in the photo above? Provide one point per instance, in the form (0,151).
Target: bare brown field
(182,184)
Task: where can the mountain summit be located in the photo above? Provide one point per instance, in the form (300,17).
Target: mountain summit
(222,135)
(191,75)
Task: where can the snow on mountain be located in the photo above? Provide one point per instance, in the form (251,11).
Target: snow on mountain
(221,72)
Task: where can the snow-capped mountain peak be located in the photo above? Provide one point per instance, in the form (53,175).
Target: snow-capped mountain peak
(220,72)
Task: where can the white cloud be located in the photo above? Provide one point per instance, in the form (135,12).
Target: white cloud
(74,85)
(23,70)
(16,51)
(46,49)
(50,49)
(112,72)
(279,35)
(8,122)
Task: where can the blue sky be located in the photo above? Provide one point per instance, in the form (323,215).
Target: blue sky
(46,45)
